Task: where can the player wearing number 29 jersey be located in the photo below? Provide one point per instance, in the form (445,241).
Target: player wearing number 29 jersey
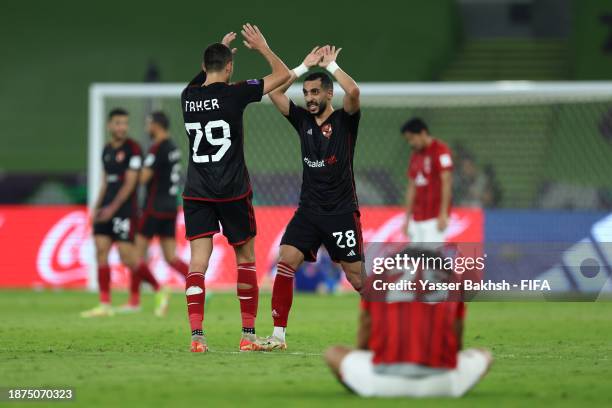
(213,120)
(218,190)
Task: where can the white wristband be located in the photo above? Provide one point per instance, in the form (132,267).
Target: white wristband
(300,70)
(332,67)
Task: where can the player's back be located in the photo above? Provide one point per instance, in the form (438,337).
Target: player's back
(161,191)
(214,125)
(408,334)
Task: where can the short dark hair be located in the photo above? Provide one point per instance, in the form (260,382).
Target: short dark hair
(414,125)
(326,81)
(161,119)
(216,57)
(117,112)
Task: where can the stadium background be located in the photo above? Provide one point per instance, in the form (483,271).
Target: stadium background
(542,172)
(510,159)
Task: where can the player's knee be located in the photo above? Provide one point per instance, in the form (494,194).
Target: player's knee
(245,258)
(354,275)
(333,357)
(102,257)
(245,253)
(128,259)
(290,256)
(198,264)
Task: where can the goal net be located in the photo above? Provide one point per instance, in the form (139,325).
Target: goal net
(515,144)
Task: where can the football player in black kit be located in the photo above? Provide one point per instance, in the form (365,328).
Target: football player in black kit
(160,176)
(328,212)
(115,210)
(217,190)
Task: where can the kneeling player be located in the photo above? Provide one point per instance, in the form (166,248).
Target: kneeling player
(409,348)
(328,211)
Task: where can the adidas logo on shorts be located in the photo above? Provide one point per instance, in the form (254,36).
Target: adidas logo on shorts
(352,253)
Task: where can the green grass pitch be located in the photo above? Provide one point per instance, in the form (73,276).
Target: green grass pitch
(547,354)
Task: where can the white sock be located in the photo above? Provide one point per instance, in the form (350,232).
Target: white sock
(279,332)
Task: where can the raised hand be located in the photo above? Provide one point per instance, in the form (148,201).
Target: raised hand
(313,58)
(227,40)
(329,54)
(253,38)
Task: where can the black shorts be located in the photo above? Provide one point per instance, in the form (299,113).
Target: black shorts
(118,228)
(341,235)
(237,218)
(151,225)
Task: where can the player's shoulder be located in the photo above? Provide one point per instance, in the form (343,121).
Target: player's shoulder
(246,82)
(440,145)
(169,144)
(294,109)
(133,146)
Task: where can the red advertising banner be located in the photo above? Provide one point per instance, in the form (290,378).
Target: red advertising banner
(52,246)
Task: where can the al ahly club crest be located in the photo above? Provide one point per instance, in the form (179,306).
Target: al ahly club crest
(326,129)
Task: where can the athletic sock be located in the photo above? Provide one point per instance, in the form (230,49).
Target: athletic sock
(279,332)
(134,299)
(248,330)
(195,292)
(282,294)
(104,277)
(180,266)
(145,274)
(248,296)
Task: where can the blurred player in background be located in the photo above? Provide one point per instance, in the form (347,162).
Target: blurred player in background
(328,212)
(115,211)
(428,195)
(409,348)
(160,176)
(218,189)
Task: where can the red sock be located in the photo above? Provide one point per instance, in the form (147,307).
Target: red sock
(249,298)
(104,277)
(180,266)
(145,274)
(195,292)
(282,294)
(134,288)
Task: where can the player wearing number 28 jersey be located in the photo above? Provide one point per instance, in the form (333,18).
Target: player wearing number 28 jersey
(328,211)
(218,191)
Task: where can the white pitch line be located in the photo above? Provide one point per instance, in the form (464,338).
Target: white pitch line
(278,353)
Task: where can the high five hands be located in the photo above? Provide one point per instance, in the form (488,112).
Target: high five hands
(321,56)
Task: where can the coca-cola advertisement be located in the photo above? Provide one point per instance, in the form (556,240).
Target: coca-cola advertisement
(52,246)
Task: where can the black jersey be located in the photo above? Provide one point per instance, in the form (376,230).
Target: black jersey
(328,185)
(213,120)
(116,162)
(164,159)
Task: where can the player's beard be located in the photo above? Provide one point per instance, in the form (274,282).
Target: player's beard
(322,106)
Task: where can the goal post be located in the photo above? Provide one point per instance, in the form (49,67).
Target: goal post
(374,94)
(543,143)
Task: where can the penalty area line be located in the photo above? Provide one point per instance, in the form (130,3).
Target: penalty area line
(277,353)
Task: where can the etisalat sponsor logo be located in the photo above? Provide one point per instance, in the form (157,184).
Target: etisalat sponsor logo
(320,163)
(408,265)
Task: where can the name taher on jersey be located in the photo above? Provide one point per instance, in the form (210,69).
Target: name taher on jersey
(201,105)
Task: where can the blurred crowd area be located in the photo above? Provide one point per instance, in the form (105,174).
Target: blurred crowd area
(523,156)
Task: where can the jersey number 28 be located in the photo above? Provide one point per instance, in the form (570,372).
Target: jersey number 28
(225,142)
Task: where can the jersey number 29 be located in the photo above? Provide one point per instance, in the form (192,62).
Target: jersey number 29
(225,142)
